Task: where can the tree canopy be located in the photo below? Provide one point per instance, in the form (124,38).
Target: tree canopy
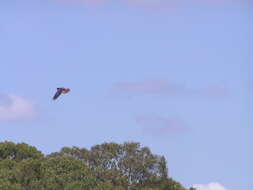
(108,166)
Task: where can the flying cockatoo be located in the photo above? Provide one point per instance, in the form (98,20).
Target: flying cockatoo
(60,91)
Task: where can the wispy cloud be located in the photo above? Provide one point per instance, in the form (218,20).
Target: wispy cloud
(146,4)
(165,88)
(210,186)
(156,5)
(89,3)
(214,91)
(152,87)
(159,126)
(14,107)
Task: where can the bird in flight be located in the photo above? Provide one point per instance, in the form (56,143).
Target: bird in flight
(60,91)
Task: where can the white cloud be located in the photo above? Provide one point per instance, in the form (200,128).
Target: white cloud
(15,107)
(210,186)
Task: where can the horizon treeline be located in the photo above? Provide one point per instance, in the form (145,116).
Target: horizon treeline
(108,166)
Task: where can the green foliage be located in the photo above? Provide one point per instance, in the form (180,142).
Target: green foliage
(6,185)
(170,184)
(108,166)
(20,151)
(68,173)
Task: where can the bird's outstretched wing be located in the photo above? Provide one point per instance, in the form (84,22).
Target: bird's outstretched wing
(57,94)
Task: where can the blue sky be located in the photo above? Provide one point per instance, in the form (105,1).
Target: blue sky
(174,77)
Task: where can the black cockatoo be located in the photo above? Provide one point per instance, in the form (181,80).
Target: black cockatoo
(60,91)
